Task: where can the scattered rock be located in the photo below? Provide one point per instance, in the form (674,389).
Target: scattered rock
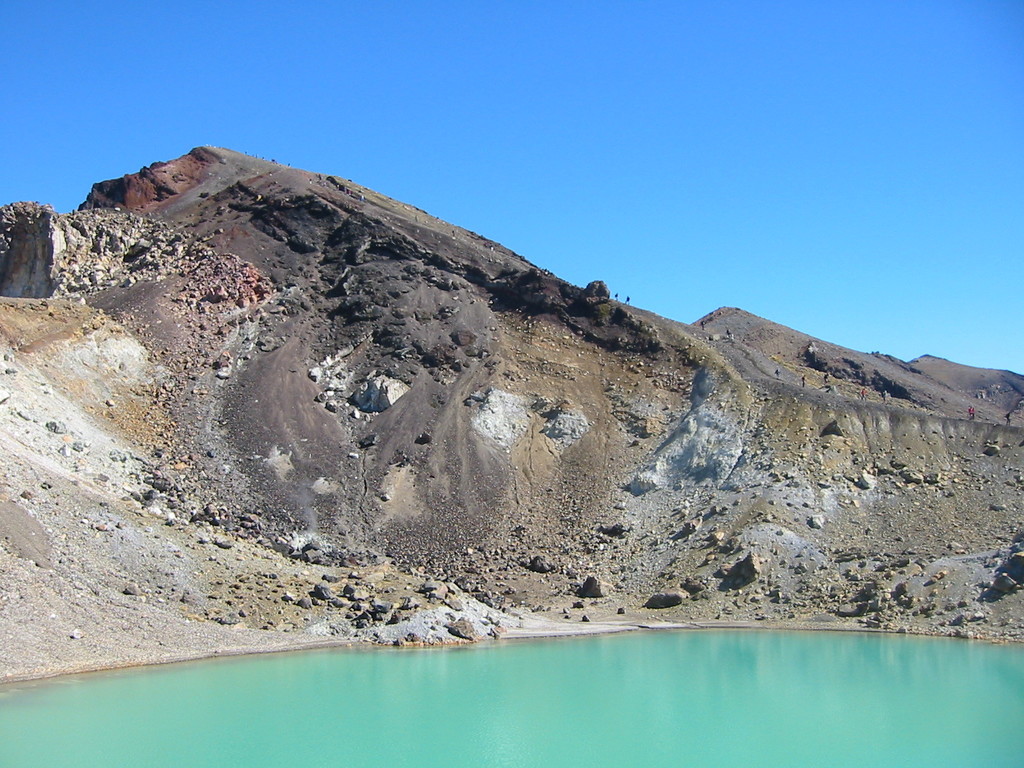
(566,427)
(379,394)
(592,587)
(322,592)
(615,530)
(464,629)
(664,600)
(833,428)
(851,610)
(743,572)
(539,564)
(865,481)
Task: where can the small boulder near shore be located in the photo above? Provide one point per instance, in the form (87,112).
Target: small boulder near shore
(592,587)
(664,600)
(463,628)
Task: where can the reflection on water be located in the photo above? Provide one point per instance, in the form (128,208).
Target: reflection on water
(653,699)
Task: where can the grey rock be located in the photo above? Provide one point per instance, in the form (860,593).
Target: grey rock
(833,428)
(538,564)
(353,592)
(1004,583)
(865,481)
(911,476)
(615,530)
(464,629)
(592,587)
(453,601)
(322,592)
(694,586)
(381,606)
(850,610)
(744,571)
(664,600)
(379,394)
(1014,566)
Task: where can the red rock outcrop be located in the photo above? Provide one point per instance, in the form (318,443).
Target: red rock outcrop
(145,190)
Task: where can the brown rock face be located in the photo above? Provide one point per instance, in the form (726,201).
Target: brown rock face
(26,250)
(145,190)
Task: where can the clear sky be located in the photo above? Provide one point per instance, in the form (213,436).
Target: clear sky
(854,170)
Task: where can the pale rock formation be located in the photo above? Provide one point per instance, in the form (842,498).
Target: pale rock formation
(502,418)
(379,394)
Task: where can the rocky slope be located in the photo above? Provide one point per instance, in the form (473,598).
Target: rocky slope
(261,378)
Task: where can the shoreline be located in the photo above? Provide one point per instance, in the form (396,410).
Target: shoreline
(531,628)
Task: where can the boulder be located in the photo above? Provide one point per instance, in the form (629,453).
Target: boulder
(911,476)
(566,427)
(833,428)
(744,571)
(1004,583)
(694,586)
(381,607)
(1014,566)
(352,592)
(689,528)
(463,337)
(597,289)
(664,600)
(850,610)
(538,564)
(865,481)
(615,530)
(322,592)
(379,393)
(592,587)
(463,628)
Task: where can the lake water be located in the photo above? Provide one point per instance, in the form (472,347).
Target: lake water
(701,698)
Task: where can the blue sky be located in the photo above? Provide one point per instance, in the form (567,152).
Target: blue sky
(854,170)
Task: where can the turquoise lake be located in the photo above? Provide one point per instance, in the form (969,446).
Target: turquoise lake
(701,698)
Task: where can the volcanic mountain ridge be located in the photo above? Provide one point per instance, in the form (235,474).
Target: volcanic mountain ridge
(233,385)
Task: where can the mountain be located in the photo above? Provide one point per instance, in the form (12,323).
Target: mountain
(286,408)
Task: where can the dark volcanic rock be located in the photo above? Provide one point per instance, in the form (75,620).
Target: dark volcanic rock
(664,600)
(743,572)
(539,564)
(592,587)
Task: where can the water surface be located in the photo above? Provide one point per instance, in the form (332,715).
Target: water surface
(751,699)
